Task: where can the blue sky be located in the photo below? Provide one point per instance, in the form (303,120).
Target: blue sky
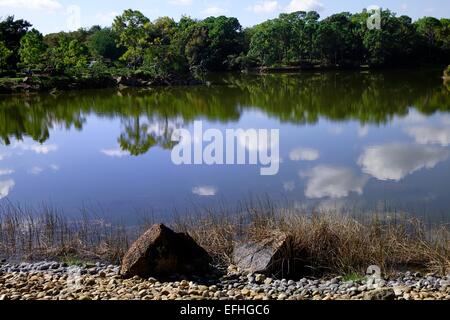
(55,15)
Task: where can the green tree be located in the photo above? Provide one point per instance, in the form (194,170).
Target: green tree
(32,49)
(69,56)
(5,53)
(132,28)
(103,42)
(11,31)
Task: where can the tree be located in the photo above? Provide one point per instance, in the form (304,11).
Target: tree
(5,53)
(226,40)
(210,44)
(32,49)
(132,28)
(104,43)
(11,31)
(69,56)
(197,49)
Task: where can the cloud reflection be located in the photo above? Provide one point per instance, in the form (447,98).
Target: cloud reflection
(5,187)
(205,191)
(304,154)
(5,172)
(289,186)
(394,161)
(333,182)
(114,153)
(430,134)
(36,170)
(37,148)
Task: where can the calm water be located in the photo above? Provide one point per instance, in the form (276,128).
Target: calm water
(376,141)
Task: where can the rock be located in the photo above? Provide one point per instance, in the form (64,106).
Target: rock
(162,252)
(380,294)
(260,278)
(274,256)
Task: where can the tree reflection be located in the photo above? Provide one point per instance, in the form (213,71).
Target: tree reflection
(150,117)
(135,138)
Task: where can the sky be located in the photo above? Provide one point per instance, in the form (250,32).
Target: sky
(56,15)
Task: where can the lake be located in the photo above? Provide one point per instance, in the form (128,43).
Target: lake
(374,141)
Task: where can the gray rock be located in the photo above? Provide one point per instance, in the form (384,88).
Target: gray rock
(273,256)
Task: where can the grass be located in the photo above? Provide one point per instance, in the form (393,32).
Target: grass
(353,277)
(327,242)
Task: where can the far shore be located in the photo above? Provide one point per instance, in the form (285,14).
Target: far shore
(55,83)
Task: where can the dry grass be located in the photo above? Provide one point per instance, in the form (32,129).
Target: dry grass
(48,234)
(330,243)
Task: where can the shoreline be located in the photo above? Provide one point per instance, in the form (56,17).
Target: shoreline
(53,84)
(48,280)
(64,83)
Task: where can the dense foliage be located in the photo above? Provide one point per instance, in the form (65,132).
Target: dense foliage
(165,47)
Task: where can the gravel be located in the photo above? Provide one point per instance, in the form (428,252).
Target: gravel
(58,281)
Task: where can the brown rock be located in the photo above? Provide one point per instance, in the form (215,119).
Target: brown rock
(380,294)
(274,256)
(162,252)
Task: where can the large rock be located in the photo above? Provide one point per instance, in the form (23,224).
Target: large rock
(161,252)
(274,256)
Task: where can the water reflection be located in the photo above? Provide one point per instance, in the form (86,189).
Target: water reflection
(430,134)
(5,187)
(368,98)
(333,182)
(354,138)
(394,161)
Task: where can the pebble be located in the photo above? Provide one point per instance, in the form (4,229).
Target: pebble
(58,281)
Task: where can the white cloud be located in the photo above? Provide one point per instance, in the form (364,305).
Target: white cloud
(304,154)
(289,186)
(36,170)
(5,172)
(54,167)
(115,153)
(181,2)
(3,156)
(106,18)
(415,117)
(363,131)
(333,182)
(205,191)
(394,161)
(267,6)
(214,11)
(430,134)
(49,5)
(5,187)
(305,5)
(37,148)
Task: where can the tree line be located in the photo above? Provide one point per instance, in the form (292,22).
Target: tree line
(164,47)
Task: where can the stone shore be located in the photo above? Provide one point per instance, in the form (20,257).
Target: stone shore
(58,281)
